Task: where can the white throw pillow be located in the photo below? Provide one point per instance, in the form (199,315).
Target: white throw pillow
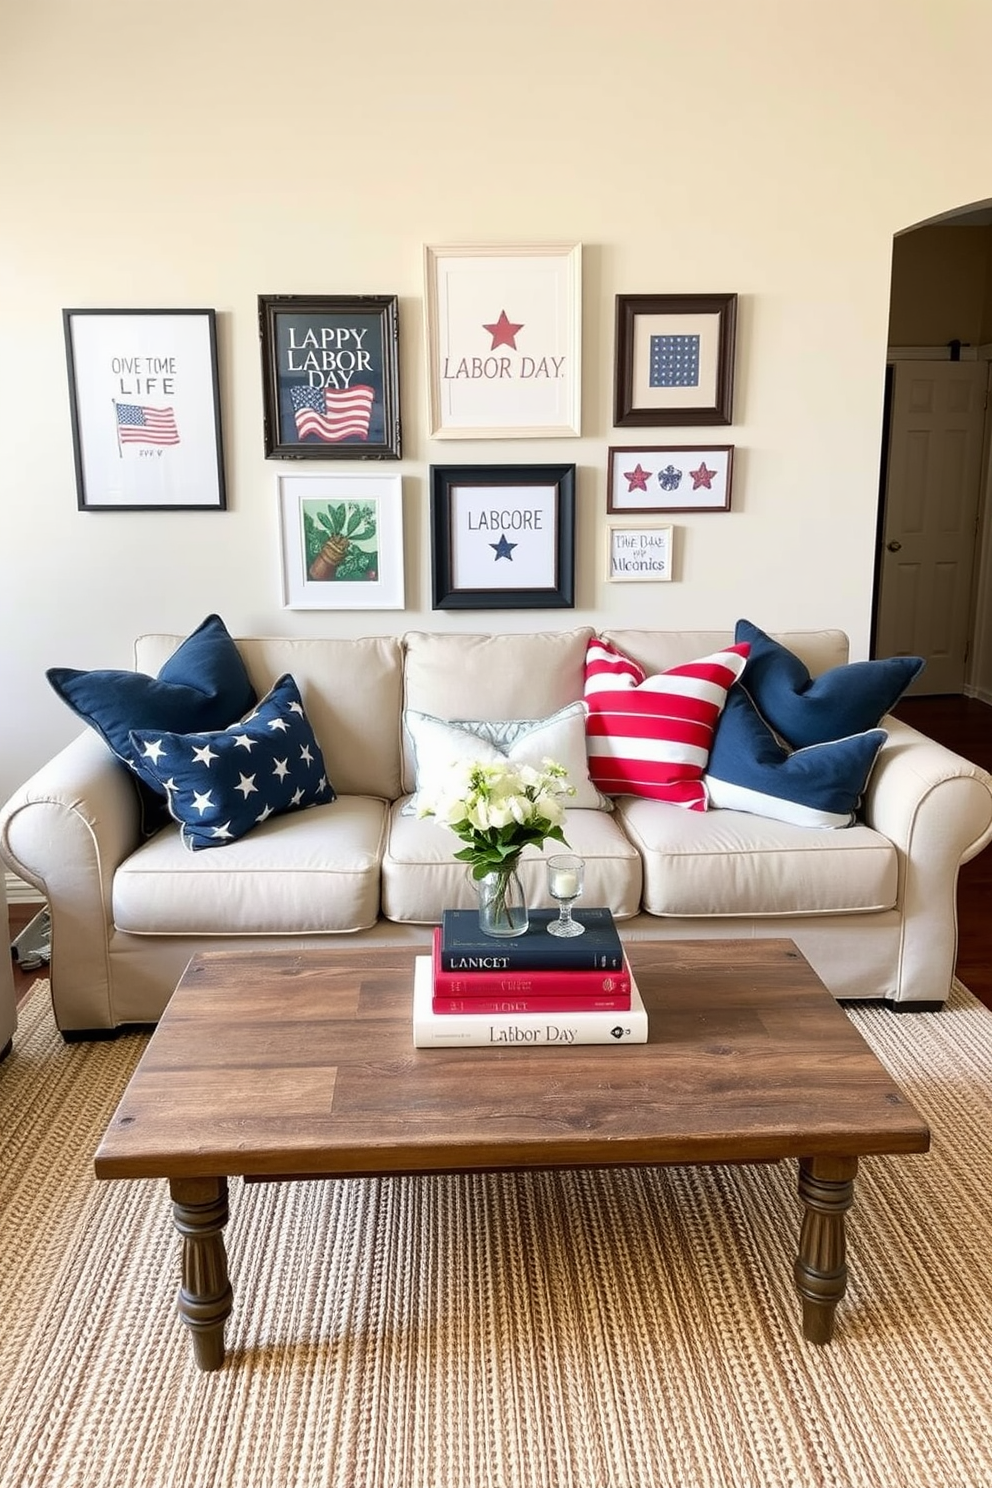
(524,741)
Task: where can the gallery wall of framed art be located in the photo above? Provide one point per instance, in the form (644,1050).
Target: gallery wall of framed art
(502,334)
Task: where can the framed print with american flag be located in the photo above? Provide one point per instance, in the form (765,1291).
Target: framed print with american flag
(145,406)
(330,376)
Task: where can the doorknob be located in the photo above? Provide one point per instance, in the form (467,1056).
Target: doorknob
(893,546)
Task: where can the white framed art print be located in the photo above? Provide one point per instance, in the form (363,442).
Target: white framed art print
(341,542)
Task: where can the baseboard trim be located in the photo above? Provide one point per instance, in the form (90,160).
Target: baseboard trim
(19,892)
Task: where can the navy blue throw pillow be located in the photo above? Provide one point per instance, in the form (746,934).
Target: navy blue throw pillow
(203,685)
(819,786)
(807,710)
(223,783)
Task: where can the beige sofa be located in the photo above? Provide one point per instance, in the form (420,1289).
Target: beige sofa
(871,906)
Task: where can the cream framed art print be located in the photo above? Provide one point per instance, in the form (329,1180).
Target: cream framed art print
(504,340)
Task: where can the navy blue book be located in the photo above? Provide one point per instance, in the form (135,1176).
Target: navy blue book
(464,947)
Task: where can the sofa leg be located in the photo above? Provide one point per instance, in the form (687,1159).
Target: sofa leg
(88,1035)
(915,1007)
(6,1049)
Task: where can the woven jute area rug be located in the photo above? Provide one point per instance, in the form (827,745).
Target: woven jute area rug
(567,1330)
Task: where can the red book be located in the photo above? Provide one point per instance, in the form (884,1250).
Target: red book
(550,991)
(489,1007)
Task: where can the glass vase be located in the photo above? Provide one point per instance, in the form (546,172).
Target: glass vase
(502,906)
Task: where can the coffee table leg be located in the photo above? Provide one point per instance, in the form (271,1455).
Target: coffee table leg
(199,1211)
(826,1187)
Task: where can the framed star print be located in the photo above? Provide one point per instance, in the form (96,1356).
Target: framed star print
(638,553)
(503,537)
(342,542)
(330,376)
(674,359)
(670,478)
(504,340)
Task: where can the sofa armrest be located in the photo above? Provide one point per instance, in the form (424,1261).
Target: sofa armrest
(936,808)
(66,831)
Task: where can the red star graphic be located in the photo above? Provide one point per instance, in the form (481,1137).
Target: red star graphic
(503,332)
(702,477)
(638,478)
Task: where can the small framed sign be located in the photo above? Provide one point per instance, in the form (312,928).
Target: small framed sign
(330,376)
(503,536)
(638,553)
(145,406)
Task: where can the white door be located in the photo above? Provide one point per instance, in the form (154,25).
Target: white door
(930,520)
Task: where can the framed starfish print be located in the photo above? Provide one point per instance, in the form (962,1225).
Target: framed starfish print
(670,478)
(674,359)
(503,340)
(503,537)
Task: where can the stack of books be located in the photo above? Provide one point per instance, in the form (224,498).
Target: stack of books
(532,989)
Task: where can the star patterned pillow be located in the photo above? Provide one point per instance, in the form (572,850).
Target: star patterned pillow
(220,785)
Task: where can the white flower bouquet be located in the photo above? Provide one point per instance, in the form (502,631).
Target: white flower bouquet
(496,810)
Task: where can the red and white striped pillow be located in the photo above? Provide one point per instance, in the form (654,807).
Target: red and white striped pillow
(651,736)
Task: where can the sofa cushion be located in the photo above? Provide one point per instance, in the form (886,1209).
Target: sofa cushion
(736,864)
(840,702)
(420,876)
(353,693)
(651,735)
(494,677)
(222,784)
(315,872)
(819,786)
(657,650)
(203,684)
(525,741)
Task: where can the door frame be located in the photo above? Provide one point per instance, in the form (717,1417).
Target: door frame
(978,665)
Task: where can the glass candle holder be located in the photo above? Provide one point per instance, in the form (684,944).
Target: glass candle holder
(565,877)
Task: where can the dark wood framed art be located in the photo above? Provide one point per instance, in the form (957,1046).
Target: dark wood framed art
(503,537)
(669,478)
(674,359)
(330,376)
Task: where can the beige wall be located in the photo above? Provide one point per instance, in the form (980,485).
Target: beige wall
(197,154)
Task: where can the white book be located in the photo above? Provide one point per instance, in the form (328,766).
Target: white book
(519,1030)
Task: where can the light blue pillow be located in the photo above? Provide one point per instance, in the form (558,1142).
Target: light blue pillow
(819,786)
(807,710)
(222,784)
(438,744)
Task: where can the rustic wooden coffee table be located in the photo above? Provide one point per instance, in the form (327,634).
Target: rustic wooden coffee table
(279,1066)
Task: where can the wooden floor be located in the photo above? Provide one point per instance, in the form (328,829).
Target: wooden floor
(965,725)
(962,724)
